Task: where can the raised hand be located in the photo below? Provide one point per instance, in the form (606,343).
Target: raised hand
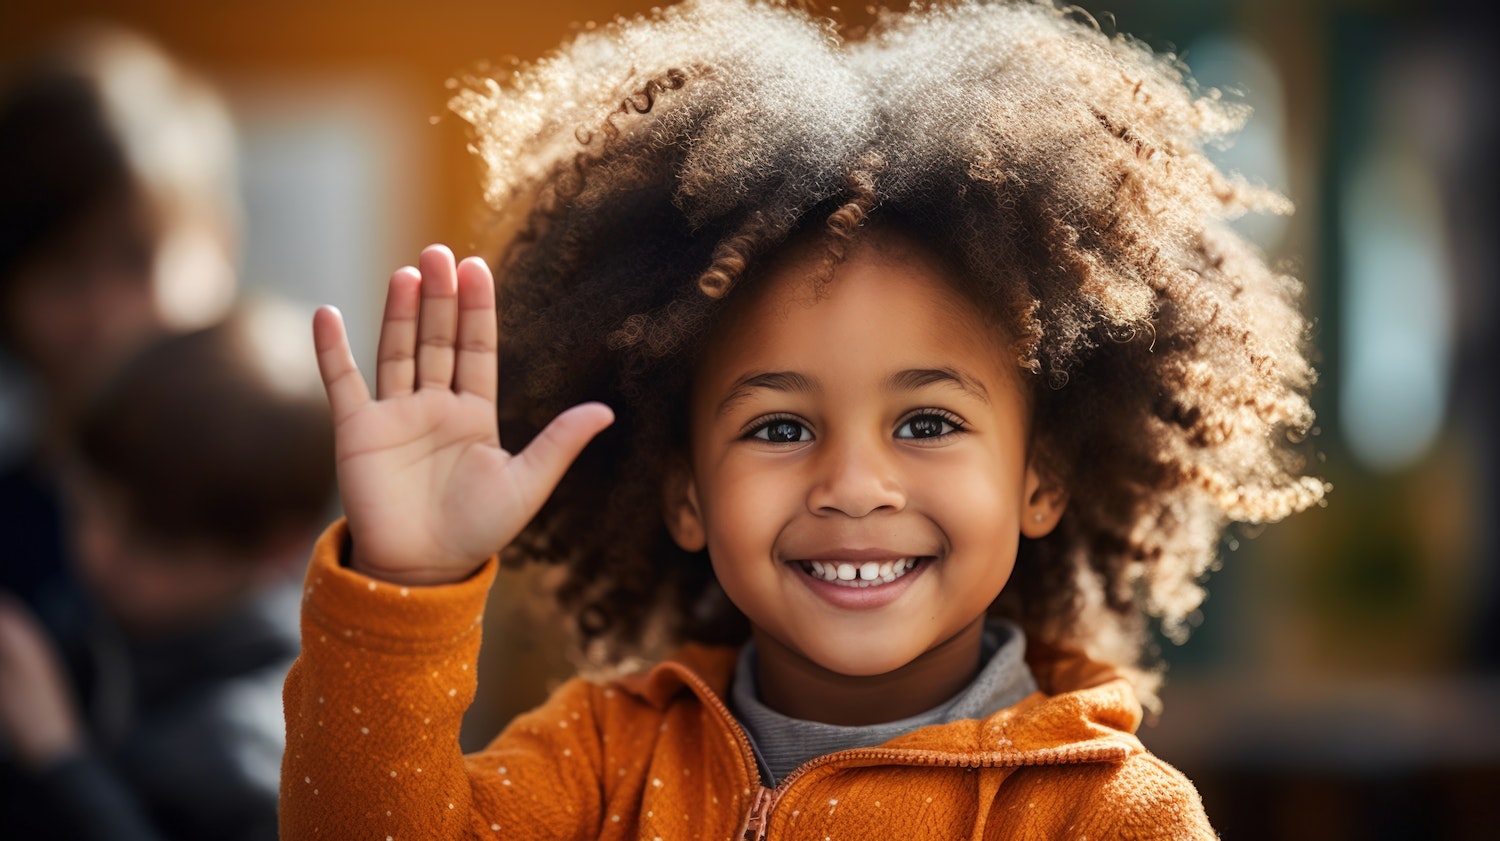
(428,490)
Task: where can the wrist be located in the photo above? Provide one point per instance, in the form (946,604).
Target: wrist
(351,557)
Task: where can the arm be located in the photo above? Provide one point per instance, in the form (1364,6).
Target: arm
(368,703)
(373,709)
(390,640)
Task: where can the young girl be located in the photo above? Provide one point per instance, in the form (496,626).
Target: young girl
(929,372)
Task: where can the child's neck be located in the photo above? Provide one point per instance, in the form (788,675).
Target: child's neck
(797,687)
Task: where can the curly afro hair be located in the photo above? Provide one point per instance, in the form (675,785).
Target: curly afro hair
(646,169)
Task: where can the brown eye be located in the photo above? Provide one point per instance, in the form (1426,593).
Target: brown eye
(782,432)
(925,426)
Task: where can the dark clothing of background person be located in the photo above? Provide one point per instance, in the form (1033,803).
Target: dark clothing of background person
(187,737)
(33,566)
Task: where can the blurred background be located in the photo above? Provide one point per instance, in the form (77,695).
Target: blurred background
(1342,679)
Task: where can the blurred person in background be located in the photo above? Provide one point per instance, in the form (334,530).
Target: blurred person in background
(118,220)
(204,469)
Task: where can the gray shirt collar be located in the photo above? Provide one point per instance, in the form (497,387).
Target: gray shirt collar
(782,743)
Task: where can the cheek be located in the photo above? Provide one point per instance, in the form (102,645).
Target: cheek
(746,503)
(973,496)
(740,511)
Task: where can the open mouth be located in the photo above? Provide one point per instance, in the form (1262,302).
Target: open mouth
(866,574)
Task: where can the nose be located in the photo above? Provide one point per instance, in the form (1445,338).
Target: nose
(856,478)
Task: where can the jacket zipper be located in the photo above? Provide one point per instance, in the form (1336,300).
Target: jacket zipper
(756,822)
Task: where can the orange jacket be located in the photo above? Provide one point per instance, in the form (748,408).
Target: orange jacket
(373,707)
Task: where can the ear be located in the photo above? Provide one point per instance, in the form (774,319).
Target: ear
(680,509)
(1045,503)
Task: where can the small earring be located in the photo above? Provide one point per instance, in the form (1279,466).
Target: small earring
(1037,517)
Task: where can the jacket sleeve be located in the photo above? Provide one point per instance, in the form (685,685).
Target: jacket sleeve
(373,707)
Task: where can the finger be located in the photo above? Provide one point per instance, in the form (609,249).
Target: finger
(346,389)
(436,324)
(396,358)
(539,467)
(478,331)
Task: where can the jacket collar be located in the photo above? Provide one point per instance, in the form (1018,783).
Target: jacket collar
(1086,711)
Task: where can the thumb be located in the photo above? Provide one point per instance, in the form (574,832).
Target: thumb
(540,466)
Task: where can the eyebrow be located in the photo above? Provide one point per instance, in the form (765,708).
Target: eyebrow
(773,380)
(915,378)
(911,379)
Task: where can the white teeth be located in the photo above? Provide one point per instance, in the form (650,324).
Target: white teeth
(868,574)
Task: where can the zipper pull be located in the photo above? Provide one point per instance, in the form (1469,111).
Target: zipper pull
(759,816)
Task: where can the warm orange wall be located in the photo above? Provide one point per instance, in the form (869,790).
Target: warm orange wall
(417,45)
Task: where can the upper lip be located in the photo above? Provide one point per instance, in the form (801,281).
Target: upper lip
(856,555)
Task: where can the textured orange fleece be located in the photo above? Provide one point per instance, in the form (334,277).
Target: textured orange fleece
(374,703)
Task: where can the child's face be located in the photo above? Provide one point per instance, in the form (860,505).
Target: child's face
(879,430)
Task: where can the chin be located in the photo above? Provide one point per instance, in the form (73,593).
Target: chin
(868,662)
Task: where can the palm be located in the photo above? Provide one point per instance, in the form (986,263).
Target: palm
(410,464)
(428,489)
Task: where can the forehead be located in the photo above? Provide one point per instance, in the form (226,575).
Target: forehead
(890,296)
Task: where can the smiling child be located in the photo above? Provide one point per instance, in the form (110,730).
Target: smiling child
(871,444)
(920,370)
